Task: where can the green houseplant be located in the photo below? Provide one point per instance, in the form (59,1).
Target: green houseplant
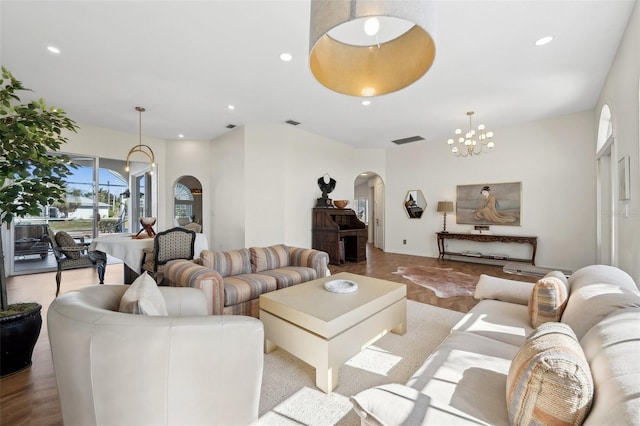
(30,178)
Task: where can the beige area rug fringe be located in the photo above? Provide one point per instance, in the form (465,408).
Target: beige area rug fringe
(444,282)
(289,396)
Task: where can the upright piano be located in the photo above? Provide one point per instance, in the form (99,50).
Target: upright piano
(334,229)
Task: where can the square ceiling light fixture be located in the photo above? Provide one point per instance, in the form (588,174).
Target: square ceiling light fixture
(370,48)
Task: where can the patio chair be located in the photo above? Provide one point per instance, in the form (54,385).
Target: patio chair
(119,225)
(72,254)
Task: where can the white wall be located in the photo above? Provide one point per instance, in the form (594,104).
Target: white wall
(228,202)
(551,160)
(370,160)
(283,164)
(274,169)
(621,93)
(188,158)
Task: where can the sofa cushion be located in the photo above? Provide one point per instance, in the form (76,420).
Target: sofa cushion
(227,263)
(63,239)
(596,274)
(265,258)
(445,390)
(596,291)
(292,275)
(506,322)
(589,304)
(246,287)
(612,349)
(143,297)
(396,404)
(548,300)
(511,291)
(549,380)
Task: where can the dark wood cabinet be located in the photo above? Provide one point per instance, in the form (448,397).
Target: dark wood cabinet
(333,228)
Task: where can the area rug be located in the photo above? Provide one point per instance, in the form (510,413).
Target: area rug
(289,395)
(445,282)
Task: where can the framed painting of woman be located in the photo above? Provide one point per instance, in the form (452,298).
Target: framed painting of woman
(489,204)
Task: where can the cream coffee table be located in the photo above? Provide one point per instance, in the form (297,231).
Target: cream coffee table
(326,329)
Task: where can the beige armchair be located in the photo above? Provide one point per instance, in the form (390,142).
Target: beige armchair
(122,369)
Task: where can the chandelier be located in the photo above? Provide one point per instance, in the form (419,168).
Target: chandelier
(144,149)
(370,48)
(473,142)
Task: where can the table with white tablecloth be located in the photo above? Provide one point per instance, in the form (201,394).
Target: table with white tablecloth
(131,250)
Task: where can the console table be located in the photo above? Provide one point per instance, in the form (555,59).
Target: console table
(488,238)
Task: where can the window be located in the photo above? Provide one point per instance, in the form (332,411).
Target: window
(183,201)
(362,209)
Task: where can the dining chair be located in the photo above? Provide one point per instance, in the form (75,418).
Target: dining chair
(193,226)
(73,253)
(172,244)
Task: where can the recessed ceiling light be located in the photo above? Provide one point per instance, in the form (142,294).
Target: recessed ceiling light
(231,107)
(544,40)
(53,49)
(286,56)
(366,102)
(181,136)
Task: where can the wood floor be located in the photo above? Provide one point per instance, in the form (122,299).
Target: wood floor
(30,397)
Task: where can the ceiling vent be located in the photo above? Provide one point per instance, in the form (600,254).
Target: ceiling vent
(230,126)
(292,122)
(408,140)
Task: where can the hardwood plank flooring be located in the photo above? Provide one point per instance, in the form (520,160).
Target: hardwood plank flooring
(30,397)
(382,265)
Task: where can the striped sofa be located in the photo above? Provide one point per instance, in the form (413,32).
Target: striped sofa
(234,280)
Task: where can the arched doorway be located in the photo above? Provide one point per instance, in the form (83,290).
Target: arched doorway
(369,205)
(187,200)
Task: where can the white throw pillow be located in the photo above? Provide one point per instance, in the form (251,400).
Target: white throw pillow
(143,297)
(503,289)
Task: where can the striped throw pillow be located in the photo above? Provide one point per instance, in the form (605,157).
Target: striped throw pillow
(266,258)
(549,380)
(547,301)
(227,263)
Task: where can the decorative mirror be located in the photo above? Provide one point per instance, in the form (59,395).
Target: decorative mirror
(414,203)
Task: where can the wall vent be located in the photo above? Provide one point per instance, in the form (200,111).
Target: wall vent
(292,122)
(230,126)
(408,140)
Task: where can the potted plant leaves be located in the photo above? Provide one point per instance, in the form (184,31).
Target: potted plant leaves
(30,178)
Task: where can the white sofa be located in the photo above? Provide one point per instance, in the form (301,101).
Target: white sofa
(189,367)
(465,380)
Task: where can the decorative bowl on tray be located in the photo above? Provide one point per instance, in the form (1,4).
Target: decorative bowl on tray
(341,286)
(341,204)
(147,225)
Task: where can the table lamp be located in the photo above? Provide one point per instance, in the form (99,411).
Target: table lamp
(445,207)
